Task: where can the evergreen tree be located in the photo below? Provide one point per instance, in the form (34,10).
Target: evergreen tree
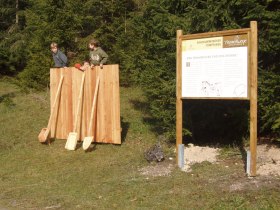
(151,56)
(12,40)
(48,21)
(140,35)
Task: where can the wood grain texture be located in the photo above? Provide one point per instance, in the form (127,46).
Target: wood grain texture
(108,105)
(106,123)
(214,34)
(179,103)
(63,123)
(253,95)
(54,78)
(63,126)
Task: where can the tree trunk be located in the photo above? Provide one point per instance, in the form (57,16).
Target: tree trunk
(17,12)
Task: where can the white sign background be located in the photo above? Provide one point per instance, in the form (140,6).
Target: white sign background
(215,73)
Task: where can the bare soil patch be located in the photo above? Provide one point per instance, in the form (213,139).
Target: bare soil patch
(268,163)
(256,183)
(196,154)
(268,160)
(158,169)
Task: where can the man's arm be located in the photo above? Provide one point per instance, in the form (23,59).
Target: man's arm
(63,58)
(104,57)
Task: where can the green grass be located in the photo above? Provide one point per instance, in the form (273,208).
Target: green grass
(36,176)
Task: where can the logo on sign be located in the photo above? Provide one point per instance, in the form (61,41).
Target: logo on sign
(235,41)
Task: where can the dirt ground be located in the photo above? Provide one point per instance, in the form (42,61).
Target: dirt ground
(196,154)
(268,161)
(158,169)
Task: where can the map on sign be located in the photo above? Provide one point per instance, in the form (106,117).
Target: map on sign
(215,67)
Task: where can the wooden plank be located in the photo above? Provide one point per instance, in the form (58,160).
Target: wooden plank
(54,80)
(108,113)
(60,116)
(253,95)
(179,108)
(64,125)
(215,34)
(116,133)
(86,104)
(103,130)
(76,84)
(100,126)
(57,132)
(94,79)
(107,100)
(88,98)
(116,112)
(64,118)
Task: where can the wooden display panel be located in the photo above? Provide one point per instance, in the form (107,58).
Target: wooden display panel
(106,124)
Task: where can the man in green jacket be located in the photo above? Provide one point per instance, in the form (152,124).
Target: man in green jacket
(97,56)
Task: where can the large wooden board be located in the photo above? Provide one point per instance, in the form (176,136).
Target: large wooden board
(62,125)
(106,124)
(108,105)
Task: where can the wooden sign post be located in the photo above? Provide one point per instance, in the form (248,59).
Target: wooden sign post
(253,95)
(218,65)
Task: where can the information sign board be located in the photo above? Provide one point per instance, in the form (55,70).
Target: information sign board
(215,67)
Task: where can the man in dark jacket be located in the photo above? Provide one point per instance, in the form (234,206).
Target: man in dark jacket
(59,58)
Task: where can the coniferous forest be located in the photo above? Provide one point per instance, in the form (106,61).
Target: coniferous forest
(140,35)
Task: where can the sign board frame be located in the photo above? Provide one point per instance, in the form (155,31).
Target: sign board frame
(215,67)
(251,95)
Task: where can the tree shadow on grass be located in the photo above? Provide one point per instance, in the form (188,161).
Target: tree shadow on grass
(143,106)
(6,99)
(125,128)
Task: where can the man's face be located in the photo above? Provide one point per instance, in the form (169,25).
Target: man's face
(54,49)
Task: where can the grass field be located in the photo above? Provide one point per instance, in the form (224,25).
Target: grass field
(36,176)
